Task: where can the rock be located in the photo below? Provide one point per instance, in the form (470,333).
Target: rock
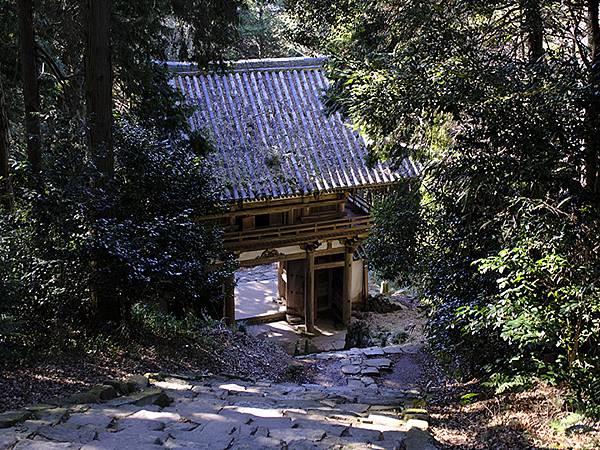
(28,444)
(255,442)
(54,415)
(37,408)
(387,421)
(364,436)
(151,420)
(380,363)
(81,398)
(214,435)
(355,384)
(68,433)
(293,434)
(174,384)
(137,382)
(351,370)
(373,352)
(369,371)
(155,376)
(126,440)
(416,413)
(417,439)
(95,419)
(393,350)
(416,423)
(358,335)
(152,396)
(122,387)
(244,415)
(7,439)
(354,408)
(103,392)
(10,418)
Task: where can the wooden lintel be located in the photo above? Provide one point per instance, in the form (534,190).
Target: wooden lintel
(261,244)
(290,257)
(329,265)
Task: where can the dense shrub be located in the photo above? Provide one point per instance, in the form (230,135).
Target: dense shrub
(397,232)
(138,238)
(496,100)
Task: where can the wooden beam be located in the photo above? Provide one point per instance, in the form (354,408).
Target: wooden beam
(229,300)
(270,208)
(365,283)
(309,288)
(350,247)
(290,257)
(281,288)
(347,294)
(329,265)
(359,233)
(257,320)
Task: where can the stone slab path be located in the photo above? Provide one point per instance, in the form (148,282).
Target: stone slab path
(220,413)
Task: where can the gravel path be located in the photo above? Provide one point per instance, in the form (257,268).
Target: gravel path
(221,413)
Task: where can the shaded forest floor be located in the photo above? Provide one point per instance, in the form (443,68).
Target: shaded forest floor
(533,419)
(46,375)
(466,415)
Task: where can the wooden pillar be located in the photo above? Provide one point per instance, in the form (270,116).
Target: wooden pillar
(350,246)
(281,285)
(309,287)
(229,303)
(365,283)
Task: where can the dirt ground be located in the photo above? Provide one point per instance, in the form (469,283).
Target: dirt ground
(537,418)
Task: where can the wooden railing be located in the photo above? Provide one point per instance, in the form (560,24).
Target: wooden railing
(301,232)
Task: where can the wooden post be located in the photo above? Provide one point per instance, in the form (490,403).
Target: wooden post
(229,303)
(350,246)
(365,283)
(281,285)
(309,287)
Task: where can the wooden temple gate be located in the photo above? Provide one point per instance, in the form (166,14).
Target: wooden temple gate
(297,180)
(317,269)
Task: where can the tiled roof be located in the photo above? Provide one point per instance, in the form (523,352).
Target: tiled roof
(273,138)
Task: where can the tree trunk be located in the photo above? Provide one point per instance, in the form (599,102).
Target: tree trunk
(98,86)
(6,199)
(534,29)
(31,91)
(592,116)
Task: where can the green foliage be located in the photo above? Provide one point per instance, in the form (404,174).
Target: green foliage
(469,398)
(397,231)
(262,31)
(502,383)
(563,424)
(135,239)
(504,241)
(152,321)
(52,241)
